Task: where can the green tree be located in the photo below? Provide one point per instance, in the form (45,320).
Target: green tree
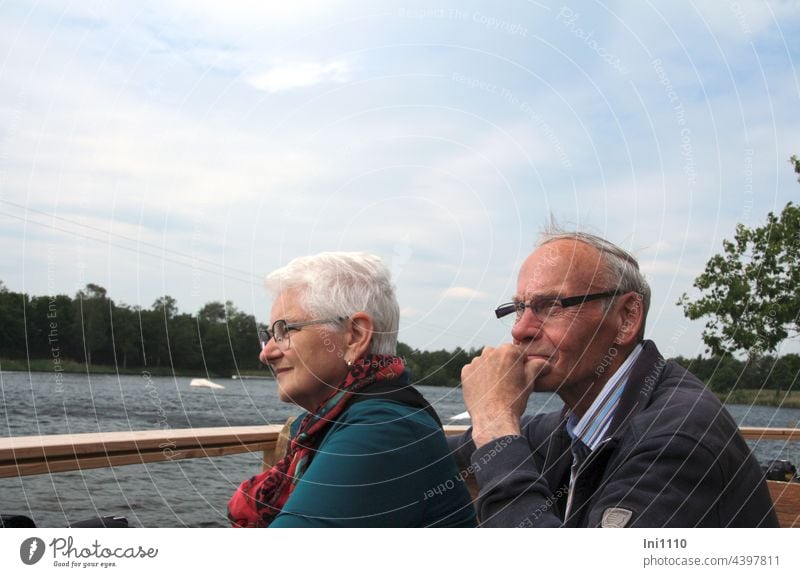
(184,343)
(724,379)
(214,338)
(125,330)
(155,325)
(93,312)
(785,372)
(751,292)
(12,324)
(167,305)
(242,339)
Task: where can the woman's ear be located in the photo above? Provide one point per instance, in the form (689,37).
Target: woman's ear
(630,320)
(359,336)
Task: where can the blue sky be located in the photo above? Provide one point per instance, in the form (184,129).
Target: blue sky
(188,148)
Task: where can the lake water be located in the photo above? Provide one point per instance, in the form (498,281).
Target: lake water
(194,492)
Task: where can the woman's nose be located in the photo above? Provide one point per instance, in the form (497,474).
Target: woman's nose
(269,352)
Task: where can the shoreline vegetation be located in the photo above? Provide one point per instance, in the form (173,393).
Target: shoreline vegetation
(91,333)
(738,396)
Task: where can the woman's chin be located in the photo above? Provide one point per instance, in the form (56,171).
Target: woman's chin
(284,395)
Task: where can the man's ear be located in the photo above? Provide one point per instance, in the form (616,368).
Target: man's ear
(631,317)
(359,336)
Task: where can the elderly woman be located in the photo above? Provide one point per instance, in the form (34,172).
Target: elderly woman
(369,450)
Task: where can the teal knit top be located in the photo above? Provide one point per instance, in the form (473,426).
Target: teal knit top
(382,464)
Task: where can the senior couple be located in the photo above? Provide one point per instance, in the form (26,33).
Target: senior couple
(639,443)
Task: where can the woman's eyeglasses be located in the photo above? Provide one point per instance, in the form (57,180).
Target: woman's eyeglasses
(281,329)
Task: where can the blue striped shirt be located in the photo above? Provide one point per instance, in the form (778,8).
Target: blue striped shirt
(589,431)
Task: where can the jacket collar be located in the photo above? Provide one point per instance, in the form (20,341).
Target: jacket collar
(644,377)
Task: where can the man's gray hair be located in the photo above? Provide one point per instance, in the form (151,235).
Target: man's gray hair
(338,284)
(622,269)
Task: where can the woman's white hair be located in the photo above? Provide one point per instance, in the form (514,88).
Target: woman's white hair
(338,284)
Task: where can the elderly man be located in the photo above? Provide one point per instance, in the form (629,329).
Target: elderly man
(640,441)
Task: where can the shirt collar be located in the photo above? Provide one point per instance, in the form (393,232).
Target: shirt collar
(592,427)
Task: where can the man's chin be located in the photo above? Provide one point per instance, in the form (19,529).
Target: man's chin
(536,367)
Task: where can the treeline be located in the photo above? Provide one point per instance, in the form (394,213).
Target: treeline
(220,340)
(723,374)
(93,329)
(436,368)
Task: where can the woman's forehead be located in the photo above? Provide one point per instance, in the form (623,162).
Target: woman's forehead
(287,305)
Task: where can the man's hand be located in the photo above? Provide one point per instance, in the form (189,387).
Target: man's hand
(496,385)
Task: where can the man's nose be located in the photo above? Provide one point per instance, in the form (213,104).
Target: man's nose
(528,327)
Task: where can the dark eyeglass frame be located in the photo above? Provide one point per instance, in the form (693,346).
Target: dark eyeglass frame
(267,334)
(519,307)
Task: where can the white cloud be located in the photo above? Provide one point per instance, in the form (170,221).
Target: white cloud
(409,312)
(300,75)
(462,293)
(235,133)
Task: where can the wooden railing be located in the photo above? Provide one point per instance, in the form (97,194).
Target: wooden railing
(786,496)
(21,456)
(762,434)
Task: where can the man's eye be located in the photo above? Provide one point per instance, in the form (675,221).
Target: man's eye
(548,307)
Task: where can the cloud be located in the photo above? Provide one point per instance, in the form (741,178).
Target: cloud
(300,75)
(408,312)
(462,293)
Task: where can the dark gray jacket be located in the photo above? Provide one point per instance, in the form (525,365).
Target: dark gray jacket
(673,458)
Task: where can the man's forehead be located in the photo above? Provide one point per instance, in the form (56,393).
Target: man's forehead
(559,267)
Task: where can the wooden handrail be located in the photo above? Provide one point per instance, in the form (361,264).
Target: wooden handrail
(21,456)
(749,433)
(763,434)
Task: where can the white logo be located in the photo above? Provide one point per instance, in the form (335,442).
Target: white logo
(616,517)
(31,551)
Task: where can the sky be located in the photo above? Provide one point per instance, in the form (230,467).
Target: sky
(188,148)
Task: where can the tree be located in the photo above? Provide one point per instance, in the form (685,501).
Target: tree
(155,326)
(12,324)
(125,332)
(168,305)
(94,315)
(751,292)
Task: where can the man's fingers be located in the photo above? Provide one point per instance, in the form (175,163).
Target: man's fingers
(534,369)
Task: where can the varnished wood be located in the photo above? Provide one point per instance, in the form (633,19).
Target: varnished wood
(786,497)
(281,445)
(35,455)
(21,456)
(749,433)
(762,434)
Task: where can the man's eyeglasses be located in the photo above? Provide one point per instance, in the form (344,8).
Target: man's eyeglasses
(545,307)
(281,329)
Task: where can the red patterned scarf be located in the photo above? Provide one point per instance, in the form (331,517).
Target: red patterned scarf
(259,499)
